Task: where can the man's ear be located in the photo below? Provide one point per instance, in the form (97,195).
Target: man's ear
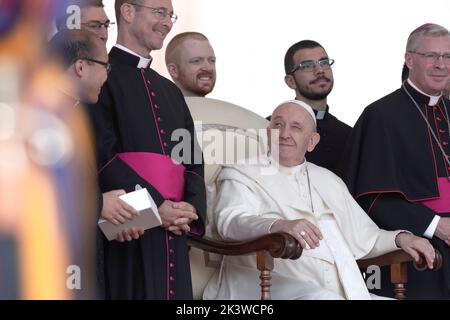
(408,60)
(289,79)
(78,68)
(313,141)
(127,12)
(173,70)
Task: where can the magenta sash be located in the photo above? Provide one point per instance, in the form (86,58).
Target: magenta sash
(162,172)
(442,204)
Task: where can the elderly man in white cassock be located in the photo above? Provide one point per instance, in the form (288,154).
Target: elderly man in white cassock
(288,194)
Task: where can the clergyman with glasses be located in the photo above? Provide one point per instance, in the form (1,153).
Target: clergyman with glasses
(83,67)
(308,72)
(135,117)
(92,18)
(90,13)
(397,160)
(85,62)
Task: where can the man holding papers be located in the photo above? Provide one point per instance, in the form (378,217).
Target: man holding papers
(137,121)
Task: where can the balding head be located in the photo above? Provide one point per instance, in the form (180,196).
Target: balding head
(292,133)
(173,48)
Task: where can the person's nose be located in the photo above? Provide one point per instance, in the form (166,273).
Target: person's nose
(318,69)
(167,22)
(440,62)
(207,66)
(103,33)
(284,133)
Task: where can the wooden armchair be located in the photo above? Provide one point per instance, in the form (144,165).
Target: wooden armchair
(284,246)
(223,117)
(268,247)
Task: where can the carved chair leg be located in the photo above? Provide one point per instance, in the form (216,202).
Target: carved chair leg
(264,263)
(399,278)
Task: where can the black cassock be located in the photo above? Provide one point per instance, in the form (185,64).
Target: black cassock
(333,137)
(135,117)
(398,174)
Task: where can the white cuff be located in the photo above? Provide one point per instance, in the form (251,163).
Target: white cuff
(398,232)
(429,233)
(271,225)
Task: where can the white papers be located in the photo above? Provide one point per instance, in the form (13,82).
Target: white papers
(148,214)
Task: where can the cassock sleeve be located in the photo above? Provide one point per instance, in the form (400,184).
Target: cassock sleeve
(194,189)
(391,211)
(376,153)
(101,114)
(238,213)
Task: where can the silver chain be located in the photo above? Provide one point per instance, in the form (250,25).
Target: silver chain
(429,125)
(309,187)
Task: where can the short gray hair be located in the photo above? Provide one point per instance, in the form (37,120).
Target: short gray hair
(426,30)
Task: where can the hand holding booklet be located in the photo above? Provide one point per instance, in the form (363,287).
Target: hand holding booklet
(147,218)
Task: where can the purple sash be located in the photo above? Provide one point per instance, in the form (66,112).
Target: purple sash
(442,204)
(161,171)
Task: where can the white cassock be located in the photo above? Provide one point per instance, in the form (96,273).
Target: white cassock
(250,200)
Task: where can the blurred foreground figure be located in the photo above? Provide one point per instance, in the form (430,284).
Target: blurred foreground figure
(47,182)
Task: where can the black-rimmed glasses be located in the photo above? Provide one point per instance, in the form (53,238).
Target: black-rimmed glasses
(97,24)
(310,65)
(160,13)
(107,65)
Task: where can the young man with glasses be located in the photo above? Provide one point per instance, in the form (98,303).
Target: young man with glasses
(85,60)
(308,72)
(397,163)
(92,16)
(135,118)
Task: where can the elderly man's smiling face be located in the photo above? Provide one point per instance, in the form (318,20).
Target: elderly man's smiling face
(291,134)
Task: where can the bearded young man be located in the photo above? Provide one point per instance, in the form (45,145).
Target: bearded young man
(308,72)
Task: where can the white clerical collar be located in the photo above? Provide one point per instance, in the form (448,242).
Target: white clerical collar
(433,99)
(321,114)
(292,170)
(143,62)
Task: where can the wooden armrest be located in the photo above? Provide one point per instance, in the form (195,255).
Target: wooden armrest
(268,247)
(400,256)
(279,245)
(397,260)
